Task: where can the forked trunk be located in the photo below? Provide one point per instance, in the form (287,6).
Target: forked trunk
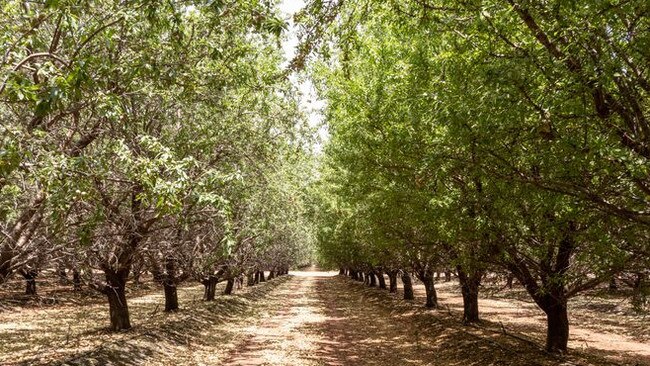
(408,286)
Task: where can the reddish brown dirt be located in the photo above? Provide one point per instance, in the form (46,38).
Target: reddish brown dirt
(310,318)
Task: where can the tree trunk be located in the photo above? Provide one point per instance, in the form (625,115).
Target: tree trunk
(257,277)
(557,332)
(372,279)
(76,280)
(342,271)
(271,275)
(408,286)
(262,279)
(469,286)
(613,286)
(250,279)
(116,293)
(640,291)
(509,281)
(171,296)
(427,279)
(210,284)
(392,279)
(382,280)
(30,282)
(447,276)
(63,275)
(169,284)
(229,286)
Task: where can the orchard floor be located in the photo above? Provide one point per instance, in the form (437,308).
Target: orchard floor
(307,318)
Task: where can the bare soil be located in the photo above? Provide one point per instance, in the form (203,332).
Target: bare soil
(309,318)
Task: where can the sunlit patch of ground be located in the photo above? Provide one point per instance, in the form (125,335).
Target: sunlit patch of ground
(307,318)
(610,329)
(77,335)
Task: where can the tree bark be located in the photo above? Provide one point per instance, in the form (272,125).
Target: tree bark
(557,332)
(229,286)
(447,276)
(76,280)
(426,276)
(115,291)
(271,275)
(469,285)
(262,279)
(171,296)
(372,279)
(342,271)
(392,279)
(382,280)
(63,275)
(250,279)
(169,285)
(408,286)
(210,287)
(30,281)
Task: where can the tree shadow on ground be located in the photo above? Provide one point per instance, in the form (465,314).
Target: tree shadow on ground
(372,327)
(183,329)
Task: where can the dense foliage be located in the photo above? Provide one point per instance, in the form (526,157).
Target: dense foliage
(502,137)
(148,135)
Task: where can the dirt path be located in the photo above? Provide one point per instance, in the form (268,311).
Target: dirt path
(329,320)
(309,318)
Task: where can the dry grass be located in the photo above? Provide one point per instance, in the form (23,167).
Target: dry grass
(311,318)
(76,335)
